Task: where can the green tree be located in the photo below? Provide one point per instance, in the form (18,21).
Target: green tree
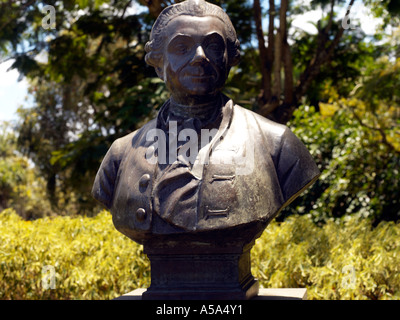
(20,185)
(92,84)
(360,172)
(93,88)
(11,168)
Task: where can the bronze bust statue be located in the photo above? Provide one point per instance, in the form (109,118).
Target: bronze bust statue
(204,169)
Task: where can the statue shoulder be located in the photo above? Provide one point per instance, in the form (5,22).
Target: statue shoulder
(104,184)
(272,131)
(294,165)
(120,146)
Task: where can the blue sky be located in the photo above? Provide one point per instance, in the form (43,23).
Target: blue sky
(13,94)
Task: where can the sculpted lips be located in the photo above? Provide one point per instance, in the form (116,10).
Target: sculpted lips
(201,78)
(200,75)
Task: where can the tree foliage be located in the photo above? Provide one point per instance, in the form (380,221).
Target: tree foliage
(91,85)
(20,186)
(360,166)
(94,88)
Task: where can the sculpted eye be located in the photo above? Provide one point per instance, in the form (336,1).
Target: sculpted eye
(214,44)
(214,47)
(180,45)
(181,48)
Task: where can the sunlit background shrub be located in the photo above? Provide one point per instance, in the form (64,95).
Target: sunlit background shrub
(346,259)
(91,259)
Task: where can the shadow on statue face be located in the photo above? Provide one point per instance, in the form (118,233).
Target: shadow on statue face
(195,58)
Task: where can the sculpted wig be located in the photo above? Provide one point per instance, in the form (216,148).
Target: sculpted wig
(197,8)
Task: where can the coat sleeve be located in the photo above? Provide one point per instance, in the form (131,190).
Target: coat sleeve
(104,183)
(296,169)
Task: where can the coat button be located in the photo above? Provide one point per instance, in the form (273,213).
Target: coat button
(141,215)
(144,182)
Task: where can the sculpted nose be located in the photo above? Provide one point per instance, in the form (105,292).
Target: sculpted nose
(199,55)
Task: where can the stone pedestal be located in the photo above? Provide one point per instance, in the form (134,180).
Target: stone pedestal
(221,276)
(203,266)
(263,294)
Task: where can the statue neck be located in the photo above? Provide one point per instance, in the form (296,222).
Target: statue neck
(203,111)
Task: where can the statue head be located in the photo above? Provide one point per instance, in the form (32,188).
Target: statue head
(192,47)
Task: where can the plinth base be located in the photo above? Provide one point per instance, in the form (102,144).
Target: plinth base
(211,275)
(211,265)
(263,294)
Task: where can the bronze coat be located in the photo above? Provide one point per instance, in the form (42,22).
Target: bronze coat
(258,168)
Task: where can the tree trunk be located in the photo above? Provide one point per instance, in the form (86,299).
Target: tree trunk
(271,46)
(51,190)
(286,55)
(276,86)
(273,106)
(281,57)
(266,53)
(265,78)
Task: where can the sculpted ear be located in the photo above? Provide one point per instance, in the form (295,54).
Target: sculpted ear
(156,63)
(160,73)
(234,58)
(154,59)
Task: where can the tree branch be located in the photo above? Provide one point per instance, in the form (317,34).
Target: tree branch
(329,26)
(262,50)
(126,8)
(286,55)
(322,56)
(380,130)
(271,47)
(22,8)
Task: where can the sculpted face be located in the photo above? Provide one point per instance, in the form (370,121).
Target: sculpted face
(195,57)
